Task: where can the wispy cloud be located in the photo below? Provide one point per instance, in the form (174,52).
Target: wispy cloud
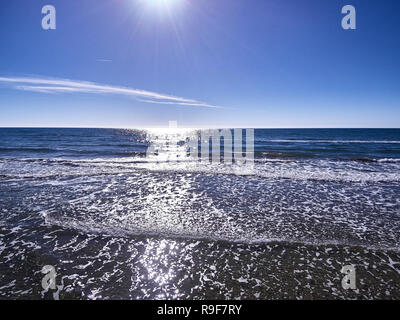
(103,60)
(51,85)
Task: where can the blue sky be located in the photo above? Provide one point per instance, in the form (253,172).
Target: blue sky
(207,63)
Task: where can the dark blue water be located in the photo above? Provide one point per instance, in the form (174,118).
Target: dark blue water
(116,224)
(353,144)
(330,143)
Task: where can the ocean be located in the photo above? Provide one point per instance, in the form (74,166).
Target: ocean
(116,224)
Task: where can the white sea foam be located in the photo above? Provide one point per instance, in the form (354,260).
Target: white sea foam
(384,170)
(389,160)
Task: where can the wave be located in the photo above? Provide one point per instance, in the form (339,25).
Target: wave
(371,171)
(388,160)
(371,160)
(330,141)
(88,227)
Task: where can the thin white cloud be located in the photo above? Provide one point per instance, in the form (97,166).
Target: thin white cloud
(197,104)
(44,89)
(44,85)
(103,60)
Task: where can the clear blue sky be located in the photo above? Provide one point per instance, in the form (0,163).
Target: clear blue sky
(227,63)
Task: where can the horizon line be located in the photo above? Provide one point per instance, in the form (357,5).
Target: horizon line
(189,127)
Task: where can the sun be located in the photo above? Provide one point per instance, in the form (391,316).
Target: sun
(162,3)
(163,7)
